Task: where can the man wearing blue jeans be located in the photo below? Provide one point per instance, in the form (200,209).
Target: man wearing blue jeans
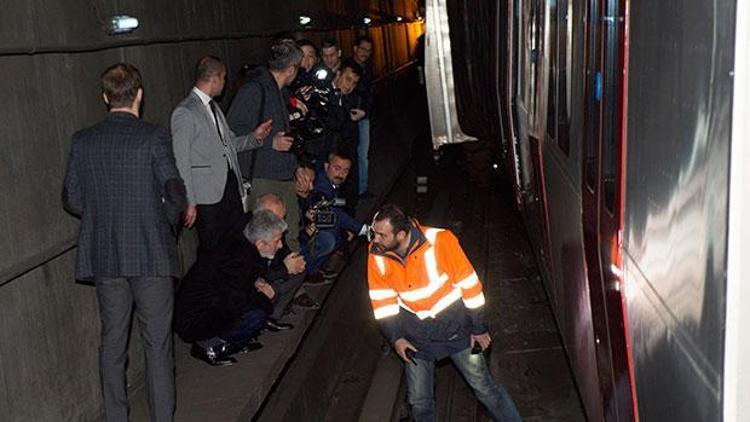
(429,304)
(317,244)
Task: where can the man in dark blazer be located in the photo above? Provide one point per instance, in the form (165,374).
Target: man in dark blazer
(122,182)
(205,150)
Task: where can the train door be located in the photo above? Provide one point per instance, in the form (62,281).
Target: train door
(602,199)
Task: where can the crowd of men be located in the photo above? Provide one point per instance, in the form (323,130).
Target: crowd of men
(268,188)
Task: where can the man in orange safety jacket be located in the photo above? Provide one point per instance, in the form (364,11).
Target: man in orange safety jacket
(428,302)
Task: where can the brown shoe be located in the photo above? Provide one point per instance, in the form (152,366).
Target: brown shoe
(304,301)
(316,279)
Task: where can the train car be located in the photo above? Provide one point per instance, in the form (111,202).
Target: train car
(621,126)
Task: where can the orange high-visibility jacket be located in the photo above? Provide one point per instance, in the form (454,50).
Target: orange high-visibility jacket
(434,275)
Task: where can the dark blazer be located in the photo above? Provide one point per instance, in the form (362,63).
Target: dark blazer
(218,290)
(121,181)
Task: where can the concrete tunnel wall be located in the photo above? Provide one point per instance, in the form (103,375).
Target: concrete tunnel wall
(51,56)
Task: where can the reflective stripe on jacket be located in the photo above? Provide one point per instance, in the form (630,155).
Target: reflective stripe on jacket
(433,276)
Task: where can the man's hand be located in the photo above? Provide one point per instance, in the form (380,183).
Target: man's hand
(356,114)
(400,346)
(190,215)
(311,229)
(484,340)
(304,93)
(281,142)
(262,286)
(263,129)
(303,181)
(294,263)
(299,105)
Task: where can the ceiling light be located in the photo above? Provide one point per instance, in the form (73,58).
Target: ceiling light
(304,20)
(122,24)
(367,20)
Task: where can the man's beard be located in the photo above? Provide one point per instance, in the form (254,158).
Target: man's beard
(388,247)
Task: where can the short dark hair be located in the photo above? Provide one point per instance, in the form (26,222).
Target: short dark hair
(361,38)
(120,83)
(304,42)
(284,54)
(399,220)
(339,153)
(208,66)
(328,43)
(354,66)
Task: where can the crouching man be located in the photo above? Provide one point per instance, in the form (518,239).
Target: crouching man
(223,303)
(318,243)
(429,304)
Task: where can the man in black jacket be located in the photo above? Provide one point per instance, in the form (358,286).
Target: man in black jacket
(272,167)
(123,183)
(285,272)
(222,303)
(362,51)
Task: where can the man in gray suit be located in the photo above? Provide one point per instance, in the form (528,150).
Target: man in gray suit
(205,149)
(122,182)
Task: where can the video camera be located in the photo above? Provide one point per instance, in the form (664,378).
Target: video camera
(324,216)
(318,97)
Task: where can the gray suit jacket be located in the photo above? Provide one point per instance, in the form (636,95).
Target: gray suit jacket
(199,153)
(121,181)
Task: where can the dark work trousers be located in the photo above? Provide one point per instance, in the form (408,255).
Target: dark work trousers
(216,222)
(154,303)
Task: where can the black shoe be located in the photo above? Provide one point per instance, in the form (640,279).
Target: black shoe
(276,326)
(214,356)
(241,349)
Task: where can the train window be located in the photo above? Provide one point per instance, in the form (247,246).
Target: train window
(564,61)
(593,86)
(612,103)
(529,53)
(553,65)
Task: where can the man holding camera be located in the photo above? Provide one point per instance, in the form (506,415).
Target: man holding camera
(327,223)
(333,111)
(429,304)
(274,167)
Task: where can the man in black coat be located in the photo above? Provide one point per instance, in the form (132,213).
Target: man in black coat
(122,182)
(223,303)
(285,272)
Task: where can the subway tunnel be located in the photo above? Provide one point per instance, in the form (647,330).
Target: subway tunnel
(526,128)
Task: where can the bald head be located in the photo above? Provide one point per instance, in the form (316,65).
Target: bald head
(271,202)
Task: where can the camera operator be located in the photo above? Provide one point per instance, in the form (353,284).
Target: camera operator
(327,224)
(332,112)
(274,167)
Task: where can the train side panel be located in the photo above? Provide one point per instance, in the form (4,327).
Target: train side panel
(675,227)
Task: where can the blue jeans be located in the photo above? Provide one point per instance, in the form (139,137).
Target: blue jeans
(421,391)
(363,147)
(319,249)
